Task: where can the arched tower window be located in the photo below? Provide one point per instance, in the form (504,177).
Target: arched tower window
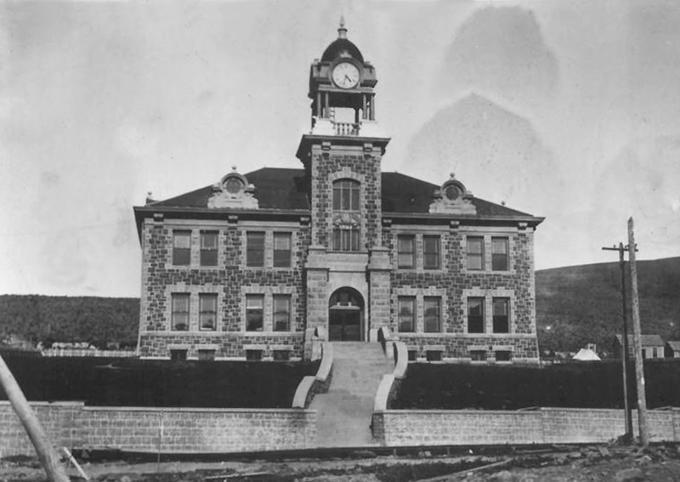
(346,195)
(346,216)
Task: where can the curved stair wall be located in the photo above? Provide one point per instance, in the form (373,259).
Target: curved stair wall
(311,385)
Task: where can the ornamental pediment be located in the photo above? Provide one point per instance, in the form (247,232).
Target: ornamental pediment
(453,198)
(233,191)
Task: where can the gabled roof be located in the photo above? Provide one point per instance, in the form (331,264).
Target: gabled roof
(586,354)
(286,189)
(647,340)
(673,345)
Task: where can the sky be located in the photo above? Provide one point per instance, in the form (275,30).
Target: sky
(566,109)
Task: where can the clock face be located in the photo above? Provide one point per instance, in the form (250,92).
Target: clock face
(452,192)
(345,75)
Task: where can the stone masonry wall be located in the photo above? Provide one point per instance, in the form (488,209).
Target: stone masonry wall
(541,426)
(230,280)
(454,284)
(177,430)
(333,162)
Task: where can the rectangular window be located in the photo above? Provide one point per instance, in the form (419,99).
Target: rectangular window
(475,314)
(503,355)
(407,310)
(181,248)
(281,312)
(281,355)
(432,312)
(499,254)
(345,239)
(178,355)
(501,315)
(406,251)
(477,355)
(475,253)
(431,252)
(206,355)
(282,242)
(433,355)
(254,312)
(180,311)
(253,355)
(255,249)
(208,248)
(412,355)
(207,311)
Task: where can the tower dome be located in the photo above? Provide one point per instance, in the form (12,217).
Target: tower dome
(341,47)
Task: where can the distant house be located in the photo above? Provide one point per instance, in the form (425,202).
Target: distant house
(586,354)
(652,346)
(673,349)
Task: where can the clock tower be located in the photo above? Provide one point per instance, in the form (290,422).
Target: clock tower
(347,266)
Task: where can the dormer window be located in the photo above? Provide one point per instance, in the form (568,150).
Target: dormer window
(452,192)
(234,185)
(233,191)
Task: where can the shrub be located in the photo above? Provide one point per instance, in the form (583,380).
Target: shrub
(579,385)
(159,383)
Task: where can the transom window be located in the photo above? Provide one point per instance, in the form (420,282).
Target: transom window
(475,253)
(254,312)
(407,311)
(180,311)
(281,312)
(501,315)
(432,314)
(475,315)
(255,248)
(282,242)
(207,311)
(431,250)
(346,195)
(208,248)
(181,248)
(406,252)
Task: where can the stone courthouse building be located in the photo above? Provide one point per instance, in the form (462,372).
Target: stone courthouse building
(259,264)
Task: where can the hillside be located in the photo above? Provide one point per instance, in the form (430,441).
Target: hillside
(70,318)
(581,304)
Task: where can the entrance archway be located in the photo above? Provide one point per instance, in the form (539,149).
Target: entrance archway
(345,315)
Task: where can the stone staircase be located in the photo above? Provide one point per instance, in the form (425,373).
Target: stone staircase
(344,412)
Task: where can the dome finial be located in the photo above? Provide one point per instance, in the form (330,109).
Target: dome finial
(342,31)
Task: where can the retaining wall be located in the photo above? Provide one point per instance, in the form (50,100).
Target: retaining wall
(168,430)
(495,427)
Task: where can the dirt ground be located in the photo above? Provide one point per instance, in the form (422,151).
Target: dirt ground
(556,464)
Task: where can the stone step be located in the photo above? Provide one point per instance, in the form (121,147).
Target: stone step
(344,412)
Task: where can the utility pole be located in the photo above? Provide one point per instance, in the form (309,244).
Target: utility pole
(637,344)
(46,453)
(624,342)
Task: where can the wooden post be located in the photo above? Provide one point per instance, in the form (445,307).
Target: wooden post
(624,358)
(46,453)
(624,342)
(637,343)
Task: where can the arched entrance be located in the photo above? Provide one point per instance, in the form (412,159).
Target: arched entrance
(345,315)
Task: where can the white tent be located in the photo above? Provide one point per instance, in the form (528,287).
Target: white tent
(586,354)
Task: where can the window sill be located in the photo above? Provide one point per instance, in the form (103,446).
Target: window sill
(270,333)
(487,271)
(182,333)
